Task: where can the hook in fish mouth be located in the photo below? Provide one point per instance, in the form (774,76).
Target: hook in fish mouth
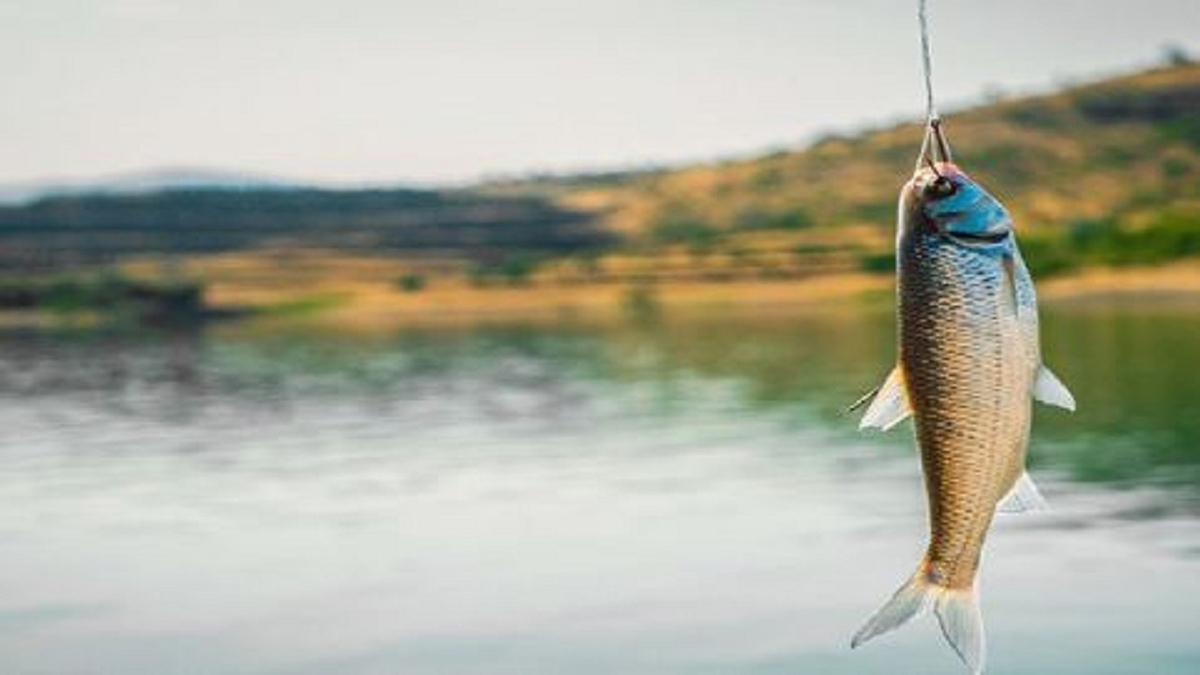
(935,149)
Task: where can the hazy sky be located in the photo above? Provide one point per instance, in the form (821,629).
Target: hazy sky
(434,90)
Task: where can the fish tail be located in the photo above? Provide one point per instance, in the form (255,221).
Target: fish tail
(962,623)
(913,599)
(957,611)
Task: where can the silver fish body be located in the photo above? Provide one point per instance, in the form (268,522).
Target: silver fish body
(969,365)
(968,349)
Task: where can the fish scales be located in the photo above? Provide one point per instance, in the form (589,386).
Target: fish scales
(962,354)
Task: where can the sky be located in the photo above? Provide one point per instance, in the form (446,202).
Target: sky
(446,91)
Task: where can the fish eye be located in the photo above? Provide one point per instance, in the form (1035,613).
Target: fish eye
(940,188)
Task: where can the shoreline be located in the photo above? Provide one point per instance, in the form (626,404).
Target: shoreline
(371,306)
(1174,283)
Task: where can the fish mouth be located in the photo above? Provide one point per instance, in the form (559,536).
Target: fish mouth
(978,238)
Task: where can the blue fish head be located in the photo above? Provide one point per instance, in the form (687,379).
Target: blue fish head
(951,204)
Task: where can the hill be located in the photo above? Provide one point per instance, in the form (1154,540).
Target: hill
(66,231)
(1100,175)
(1106,173)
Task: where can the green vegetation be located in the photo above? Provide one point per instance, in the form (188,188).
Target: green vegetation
(105,291)
(512,269)
(793,218)
(1170,235)
(411,283)
(678,226)
(307,305)
(877,262)
(518,267)
(1186,129)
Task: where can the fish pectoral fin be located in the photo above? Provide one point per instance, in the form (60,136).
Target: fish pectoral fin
(890,405)
(1048,389)
(1023,498)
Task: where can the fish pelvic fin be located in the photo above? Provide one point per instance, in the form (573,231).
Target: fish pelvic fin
(890,405)
(1023,498)
(957,612)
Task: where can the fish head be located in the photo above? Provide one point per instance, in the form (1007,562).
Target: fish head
(942,200)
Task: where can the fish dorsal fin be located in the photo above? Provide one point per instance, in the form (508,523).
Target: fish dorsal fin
(1048,389)
(890,405)
(1023,497)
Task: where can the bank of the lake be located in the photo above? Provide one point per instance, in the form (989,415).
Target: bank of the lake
(381,306)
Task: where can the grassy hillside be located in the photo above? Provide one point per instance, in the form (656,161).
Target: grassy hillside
(1107,173)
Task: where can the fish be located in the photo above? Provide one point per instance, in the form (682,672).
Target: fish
(969,365)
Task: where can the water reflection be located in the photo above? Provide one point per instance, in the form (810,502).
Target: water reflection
(1137,372)
(1133,371)
(672,496)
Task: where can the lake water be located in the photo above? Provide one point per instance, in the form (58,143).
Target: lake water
(656,497)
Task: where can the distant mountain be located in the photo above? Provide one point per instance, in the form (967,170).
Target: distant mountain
(141,182)
(145,220)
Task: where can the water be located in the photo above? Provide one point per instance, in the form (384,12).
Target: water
(658,497)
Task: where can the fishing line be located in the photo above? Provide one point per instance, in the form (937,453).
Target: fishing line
(931,113)
(934,148)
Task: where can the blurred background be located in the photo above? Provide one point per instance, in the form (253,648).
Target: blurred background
(467,337)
